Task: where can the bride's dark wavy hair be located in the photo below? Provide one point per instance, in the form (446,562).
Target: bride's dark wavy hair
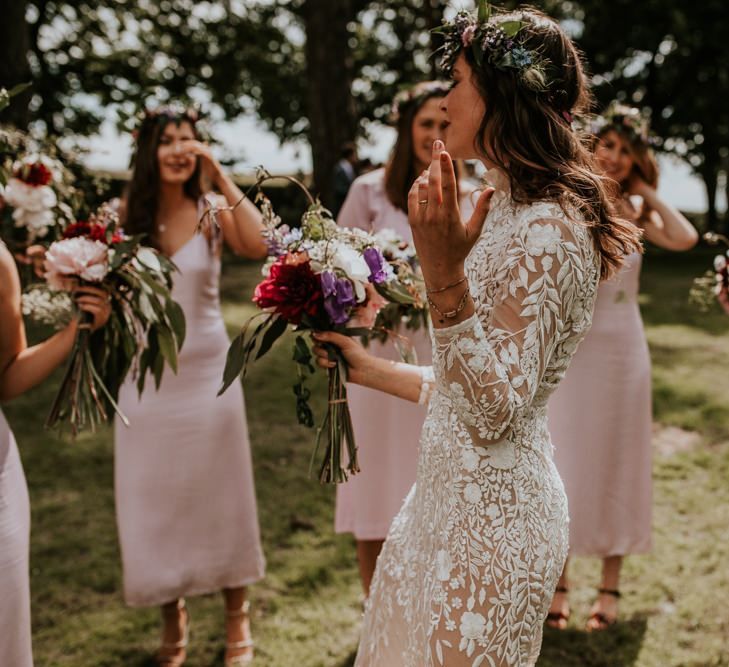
(142,196)
(528,134)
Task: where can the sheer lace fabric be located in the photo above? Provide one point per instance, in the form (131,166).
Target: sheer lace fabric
(473,557)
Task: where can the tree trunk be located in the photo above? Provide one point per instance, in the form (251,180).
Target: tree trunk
(710,175)
(331,110)
(14,67)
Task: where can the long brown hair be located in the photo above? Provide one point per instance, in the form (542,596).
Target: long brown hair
(400,168)
(142,196)
(528,134)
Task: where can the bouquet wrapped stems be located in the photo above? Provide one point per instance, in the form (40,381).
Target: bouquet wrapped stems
(337,426)
(80,394)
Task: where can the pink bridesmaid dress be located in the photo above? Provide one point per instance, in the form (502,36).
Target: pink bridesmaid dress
(15,635)
(185,499)
(600,422)
(387,429)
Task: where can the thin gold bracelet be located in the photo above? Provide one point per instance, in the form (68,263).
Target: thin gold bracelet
(437,290)
(450,314)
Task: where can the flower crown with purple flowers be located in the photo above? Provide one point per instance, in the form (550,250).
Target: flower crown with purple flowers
(625,119)
(494,42)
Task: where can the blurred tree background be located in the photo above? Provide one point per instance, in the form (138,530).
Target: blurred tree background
(324,70)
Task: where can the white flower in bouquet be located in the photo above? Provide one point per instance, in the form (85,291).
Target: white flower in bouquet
(76,258)
(354,266)
(32,206)
(47,307)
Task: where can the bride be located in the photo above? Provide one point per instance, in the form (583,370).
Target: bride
(472,559)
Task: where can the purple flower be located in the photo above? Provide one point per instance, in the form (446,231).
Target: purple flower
(377,265)
(339,297)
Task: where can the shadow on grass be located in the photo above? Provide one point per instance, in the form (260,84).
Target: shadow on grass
(618,646)
(349,661)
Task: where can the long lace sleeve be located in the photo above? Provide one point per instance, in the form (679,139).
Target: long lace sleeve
(491,364)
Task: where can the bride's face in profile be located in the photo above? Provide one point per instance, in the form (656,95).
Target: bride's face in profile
(464,109)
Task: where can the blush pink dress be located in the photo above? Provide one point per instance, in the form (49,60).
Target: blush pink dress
(15,634)
(185,499)
(387,429)
(600,422)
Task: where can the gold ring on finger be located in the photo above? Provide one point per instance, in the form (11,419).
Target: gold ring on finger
(422,201)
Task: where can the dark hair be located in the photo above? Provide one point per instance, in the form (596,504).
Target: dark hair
(142,195)
(645,164)
(348,150)
(527,133)
(400,168)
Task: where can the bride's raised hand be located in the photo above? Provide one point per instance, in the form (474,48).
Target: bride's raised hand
(357,358)
(441,238)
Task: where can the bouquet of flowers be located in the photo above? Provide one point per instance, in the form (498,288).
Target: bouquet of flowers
(319,277)
(146,327)
(31,209)
(706,288)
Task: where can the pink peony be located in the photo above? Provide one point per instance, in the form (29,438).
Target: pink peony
(79,258)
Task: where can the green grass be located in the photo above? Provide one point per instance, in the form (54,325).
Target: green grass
(307,610)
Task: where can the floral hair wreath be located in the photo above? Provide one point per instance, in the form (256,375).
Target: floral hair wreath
(627,120)
(415,95)
(175,112)
(494,42)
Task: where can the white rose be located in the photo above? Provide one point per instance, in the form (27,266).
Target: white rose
(472,493)
(354,266)
(472,625)
(443,565)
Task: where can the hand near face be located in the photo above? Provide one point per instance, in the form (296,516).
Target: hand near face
(441,238)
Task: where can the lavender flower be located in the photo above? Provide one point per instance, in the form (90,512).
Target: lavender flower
(338,297)
(376,263)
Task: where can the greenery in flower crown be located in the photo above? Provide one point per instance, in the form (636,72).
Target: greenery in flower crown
(624,119)
(493,41)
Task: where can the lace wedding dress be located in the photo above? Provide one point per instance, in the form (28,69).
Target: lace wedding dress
(471,561)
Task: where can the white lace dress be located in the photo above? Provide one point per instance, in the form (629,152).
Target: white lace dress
(471,561)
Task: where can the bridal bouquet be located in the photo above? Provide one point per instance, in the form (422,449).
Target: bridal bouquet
(146,327)
(319,277)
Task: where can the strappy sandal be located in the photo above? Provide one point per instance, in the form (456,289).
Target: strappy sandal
(598,620)
(239,660)
(558,619)
(163,660)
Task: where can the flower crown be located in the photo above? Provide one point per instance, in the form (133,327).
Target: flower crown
(416,95)
(494,42)
(175,112)
(625,119)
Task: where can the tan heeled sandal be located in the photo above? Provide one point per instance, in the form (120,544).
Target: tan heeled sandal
(163,660)
(239,660)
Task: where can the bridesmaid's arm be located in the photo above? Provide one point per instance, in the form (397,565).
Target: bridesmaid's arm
(406,381)
(242,227)
(23,367)
(666,227)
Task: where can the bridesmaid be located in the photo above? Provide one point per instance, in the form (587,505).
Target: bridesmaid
(600,415)
(387,428)
(186,505)
(23,367)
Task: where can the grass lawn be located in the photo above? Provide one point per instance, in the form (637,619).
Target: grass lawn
(675,607)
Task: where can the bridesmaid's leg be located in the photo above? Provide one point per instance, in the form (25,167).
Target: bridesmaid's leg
(559,611)
(605,610)
(174,634)
(238,643)
(367,553)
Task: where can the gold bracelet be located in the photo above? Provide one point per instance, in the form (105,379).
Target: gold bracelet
(447,287)
(450,314)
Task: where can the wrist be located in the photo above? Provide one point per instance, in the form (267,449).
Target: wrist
(441,278)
